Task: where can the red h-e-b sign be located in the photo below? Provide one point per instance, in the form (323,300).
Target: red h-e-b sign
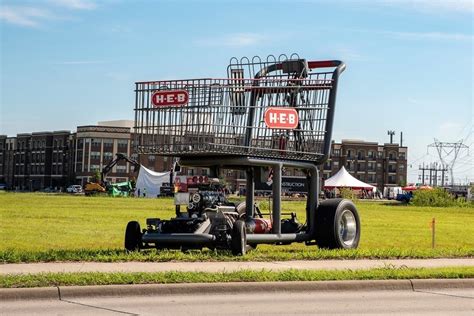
(170,98)
(281,118)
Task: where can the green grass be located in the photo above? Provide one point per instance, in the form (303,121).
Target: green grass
(98,278)
(42,227)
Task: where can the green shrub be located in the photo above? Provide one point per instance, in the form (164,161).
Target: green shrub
(348,193)
(438,198)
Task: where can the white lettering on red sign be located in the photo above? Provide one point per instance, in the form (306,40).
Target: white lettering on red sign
(281,118)
(170,98)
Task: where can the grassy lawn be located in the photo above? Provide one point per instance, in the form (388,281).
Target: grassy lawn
(44,227)
(98,278)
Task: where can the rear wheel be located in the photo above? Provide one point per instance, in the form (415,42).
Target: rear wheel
(239,238)
(337,225)
(133,236)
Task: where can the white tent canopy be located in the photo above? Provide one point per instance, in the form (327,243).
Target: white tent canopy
(149,182)
(343,179)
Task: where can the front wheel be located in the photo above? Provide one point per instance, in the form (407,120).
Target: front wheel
(239,238)
(337,224)
(133,236)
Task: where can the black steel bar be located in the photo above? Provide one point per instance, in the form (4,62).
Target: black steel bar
(276,210)
(249,192)
(178,238)
(275,238)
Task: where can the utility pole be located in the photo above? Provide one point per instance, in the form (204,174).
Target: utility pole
(433,169)
(446,150)
(391,133)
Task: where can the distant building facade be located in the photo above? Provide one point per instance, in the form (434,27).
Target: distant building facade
(57,159)
(378,165)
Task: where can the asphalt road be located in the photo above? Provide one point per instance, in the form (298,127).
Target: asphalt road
(55,267)
(434,302)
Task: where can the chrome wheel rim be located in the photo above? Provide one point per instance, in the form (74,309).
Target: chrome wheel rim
(347,228)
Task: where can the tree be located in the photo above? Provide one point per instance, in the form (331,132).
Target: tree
(96,177)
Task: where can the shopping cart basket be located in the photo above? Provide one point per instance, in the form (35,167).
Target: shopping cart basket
(278,108)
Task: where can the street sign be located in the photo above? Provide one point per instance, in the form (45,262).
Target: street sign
(170,98)
(281,118)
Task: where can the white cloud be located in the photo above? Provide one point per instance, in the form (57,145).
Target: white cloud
(233,40)
(75,4)
(24,15)
(36,15)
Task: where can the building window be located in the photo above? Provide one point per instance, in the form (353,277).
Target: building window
(401,156)
(94,168)
(361,155)
(108,142)
(335,164)
(108,156)
(96,142)
(361,167)
(121,169)
(371,154)
(95,154)
(370,166)
(350,154)
(151,158)
(350,166)
(336,153)
(122,143)
(392,179)
(380,154)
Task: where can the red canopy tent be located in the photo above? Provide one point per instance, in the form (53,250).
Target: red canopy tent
(343,179)
(411,187)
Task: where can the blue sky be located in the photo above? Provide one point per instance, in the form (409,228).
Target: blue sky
(66,63)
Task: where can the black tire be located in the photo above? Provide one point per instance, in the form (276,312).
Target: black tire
(133,236)
(239,238)
(337,225)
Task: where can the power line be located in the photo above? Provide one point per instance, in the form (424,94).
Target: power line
(446,150)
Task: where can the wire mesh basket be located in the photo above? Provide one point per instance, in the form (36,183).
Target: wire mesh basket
(279,108)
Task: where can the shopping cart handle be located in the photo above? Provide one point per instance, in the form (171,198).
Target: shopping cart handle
(326,63)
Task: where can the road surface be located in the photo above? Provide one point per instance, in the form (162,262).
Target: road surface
(433,302)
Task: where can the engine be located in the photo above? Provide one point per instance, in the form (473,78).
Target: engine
(203,201)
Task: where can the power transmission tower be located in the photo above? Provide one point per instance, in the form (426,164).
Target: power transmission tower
(447,151)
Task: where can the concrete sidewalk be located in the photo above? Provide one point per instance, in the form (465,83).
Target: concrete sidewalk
(54,267)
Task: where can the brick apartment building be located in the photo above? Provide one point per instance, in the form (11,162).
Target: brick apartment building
(378,165)
(60,158)
(34,161)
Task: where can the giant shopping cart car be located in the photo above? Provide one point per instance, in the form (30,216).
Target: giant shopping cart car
(266,115)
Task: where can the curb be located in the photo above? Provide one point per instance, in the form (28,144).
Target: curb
(70,292)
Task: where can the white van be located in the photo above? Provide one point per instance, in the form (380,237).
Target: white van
(391,192)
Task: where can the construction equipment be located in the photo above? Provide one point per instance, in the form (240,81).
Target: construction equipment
(112,189)
(268,114)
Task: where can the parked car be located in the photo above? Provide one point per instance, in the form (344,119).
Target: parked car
(76,188)
(3,186)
